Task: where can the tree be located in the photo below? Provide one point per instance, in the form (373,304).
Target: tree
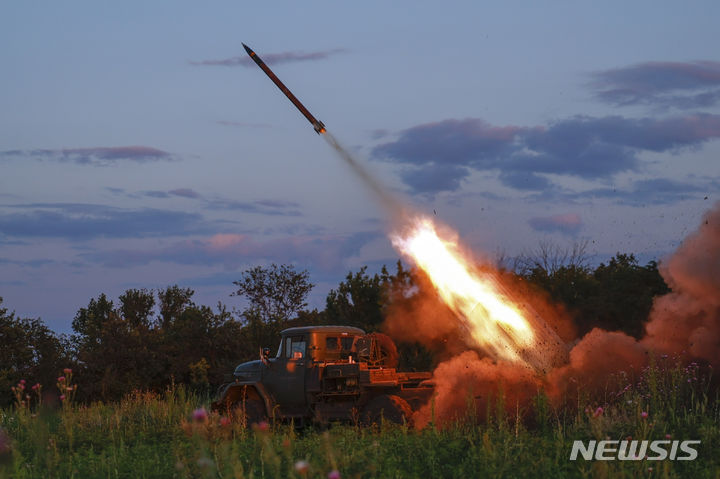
(361,300)
(88,322)
(626,291)
(173,301)
(29,351)
(136,306)
(616,296)
(275,294)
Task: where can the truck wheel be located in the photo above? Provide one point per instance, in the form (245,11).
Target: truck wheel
(252,411)
(387,407)
(243,403)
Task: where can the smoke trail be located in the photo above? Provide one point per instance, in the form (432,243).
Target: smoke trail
(390,202)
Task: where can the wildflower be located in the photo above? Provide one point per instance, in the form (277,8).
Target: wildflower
(61,379)
(302,467)
(649,469)
(200,415)
(62,397)
(598,412)
(334,474)
(668,436)
(262,426)
(67,371)
(286,443)
(36,387)
(225,421)
(644,414)
(22,381)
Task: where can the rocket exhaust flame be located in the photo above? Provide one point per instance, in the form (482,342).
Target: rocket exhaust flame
(494,321)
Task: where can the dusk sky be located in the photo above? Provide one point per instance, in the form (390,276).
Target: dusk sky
(140,147)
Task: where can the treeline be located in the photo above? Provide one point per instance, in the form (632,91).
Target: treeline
(148,339)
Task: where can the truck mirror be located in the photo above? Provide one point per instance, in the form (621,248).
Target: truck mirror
(265,355)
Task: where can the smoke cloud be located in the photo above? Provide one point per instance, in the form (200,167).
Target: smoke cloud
(468,383)
(684,322)
(688,318)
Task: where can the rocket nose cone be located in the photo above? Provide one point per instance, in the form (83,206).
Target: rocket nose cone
(247,49)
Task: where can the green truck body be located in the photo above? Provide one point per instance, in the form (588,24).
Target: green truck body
(326,373)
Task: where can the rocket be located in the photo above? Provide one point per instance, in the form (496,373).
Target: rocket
(317,124)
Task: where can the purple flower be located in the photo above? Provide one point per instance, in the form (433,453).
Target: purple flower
(598,412)
(200,415)
(334,474)
(644,414)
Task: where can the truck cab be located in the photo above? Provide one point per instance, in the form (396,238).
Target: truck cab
(293,372)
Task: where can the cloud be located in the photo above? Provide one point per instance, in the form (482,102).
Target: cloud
(433,177)
(86,221)
(100,156)
(458,142)
(32,263)
(658,191)
(438,156)
(680,85)
(155,194)
(269,207)
(185,193)
(326,253)
(524,180)
(181,192)
(271,58)
(568,224)
(263,207)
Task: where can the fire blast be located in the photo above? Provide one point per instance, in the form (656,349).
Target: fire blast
(496,323)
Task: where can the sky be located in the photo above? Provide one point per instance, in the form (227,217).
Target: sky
(140,148)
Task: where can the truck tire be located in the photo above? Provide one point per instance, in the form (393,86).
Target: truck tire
(252,412)
(243,403)
(387,407)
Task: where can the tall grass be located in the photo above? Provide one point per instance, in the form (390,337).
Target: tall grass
(170,435)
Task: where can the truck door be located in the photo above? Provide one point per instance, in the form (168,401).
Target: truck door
(286,377)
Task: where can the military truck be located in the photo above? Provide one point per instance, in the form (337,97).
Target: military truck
(322,374)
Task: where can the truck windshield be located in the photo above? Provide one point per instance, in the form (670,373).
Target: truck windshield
(343,343)
(295,347)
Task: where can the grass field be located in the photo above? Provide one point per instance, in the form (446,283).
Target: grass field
(168,435)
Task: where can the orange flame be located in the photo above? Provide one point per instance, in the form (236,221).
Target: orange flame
(495,322)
